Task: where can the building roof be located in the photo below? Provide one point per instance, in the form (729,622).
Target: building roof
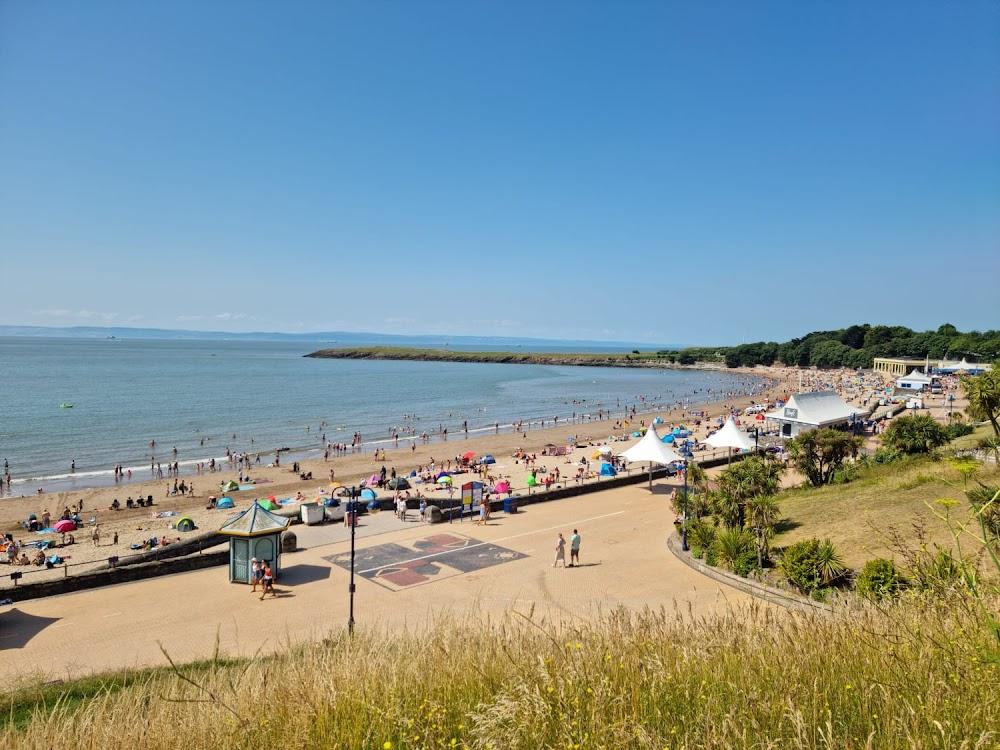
(816,410)
(916,377)
(254,521)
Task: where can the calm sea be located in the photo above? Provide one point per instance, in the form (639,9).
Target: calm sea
(205,396)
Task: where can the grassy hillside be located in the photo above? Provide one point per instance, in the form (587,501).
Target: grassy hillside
(859,516)
(918,676)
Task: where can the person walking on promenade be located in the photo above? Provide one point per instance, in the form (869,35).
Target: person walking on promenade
(256,573)
(574,549)
(560,551)
(268,581)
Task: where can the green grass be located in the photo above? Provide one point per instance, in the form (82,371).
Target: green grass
(920,675)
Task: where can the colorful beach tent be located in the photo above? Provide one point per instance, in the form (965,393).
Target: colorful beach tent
(444,479)
(64,525)
(502,487)
(607,470)
(185,523)
(224,503)
(268,504)
(399,483)
(368,494)
(230,486)
(488,459)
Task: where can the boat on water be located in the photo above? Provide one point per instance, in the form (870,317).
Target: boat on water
(65,406)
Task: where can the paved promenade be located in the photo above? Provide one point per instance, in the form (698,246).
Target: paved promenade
(408,575)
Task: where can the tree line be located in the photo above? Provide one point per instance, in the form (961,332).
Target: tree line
(858,345)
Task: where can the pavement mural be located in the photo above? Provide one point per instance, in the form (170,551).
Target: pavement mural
(433,558)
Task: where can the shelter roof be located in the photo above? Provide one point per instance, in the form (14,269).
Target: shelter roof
(651,448)
(916,377)
(730,436)
(255,521)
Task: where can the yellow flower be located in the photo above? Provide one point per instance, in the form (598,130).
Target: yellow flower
(387,745)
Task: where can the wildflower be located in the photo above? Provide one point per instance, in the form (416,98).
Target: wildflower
(386,745)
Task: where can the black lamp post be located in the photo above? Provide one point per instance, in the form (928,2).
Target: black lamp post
(352,510)
(684,520)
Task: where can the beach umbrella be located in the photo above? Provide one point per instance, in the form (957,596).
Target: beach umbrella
(502,487)
(444,480)
(368,494)
(469,456)
(65,525)
(488,459)
(399,483)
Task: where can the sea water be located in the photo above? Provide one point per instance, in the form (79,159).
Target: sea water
(203,397)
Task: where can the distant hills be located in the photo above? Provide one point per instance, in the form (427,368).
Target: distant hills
(343,338)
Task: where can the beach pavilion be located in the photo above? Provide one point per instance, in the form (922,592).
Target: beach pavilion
(652,449)
(809,411)
(253,533)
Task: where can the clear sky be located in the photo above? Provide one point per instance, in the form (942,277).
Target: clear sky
(670,172)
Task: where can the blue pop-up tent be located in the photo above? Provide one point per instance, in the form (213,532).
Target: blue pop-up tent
(607,470)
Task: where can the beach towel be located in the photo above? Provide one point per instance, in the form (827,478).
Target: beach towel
(246,487)
(49,530)
(165,514)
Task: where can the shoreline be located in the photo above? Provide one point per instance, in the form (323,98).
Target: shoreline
(131,526)
(84,480)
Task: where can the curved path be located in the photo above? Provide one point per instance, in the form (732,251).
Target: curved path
(409,575)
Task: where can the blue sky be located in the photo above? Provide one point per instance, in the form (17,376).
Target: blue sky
(697,173)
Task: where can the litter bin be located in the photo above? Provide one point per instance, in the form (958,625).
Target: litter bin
(509,505)
(312,513)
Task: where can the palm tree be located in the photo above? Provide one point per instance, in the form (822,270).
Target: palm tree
(983,393)
(762,514)
(830,562)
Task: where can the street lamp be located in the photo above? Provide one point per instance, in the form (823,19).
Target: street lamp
(684,521)
(352,516)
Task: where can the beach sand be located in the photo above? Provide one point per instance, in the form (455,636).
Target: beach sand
(137,525)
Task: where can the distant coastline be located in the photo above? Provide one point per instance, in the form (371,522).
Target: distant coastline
(577,359)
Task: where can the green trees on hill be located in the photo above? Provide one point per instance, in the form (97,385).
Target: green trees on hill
(858,345)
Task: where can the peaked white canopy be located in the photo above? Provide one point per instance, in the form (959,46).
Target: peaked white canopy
(730,436)
(651,449)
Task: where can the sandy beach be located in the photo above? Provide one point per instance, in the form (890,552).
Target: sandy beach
(133,526)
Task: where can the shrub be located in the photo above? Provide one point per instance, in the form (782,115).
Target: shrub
(700,534)
(810,564)
(879,579)
(735,549)
(959,429)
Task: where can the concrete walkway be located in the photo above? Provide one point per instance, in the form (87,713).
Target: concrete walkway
(408,575)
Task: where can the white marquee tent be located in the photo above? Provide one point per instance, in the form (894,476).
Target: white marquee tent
(730,436)
(653,450)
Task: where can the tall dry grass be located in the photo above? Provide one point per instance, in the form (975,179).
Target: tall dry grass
(924,673)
